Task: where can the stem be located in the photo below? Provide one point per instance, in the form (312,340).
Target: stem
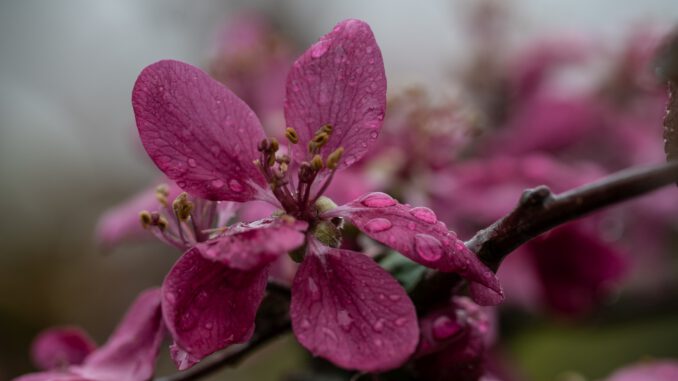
(538,211)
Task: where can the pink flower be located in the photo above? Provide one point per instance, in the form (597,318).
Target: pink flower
(129,354)
(344,306)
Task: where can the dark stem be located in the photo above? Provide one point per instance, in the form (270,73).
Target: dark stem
(538,211)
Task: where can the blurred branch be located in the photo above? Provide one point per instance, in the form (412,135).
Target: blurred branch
(538,211)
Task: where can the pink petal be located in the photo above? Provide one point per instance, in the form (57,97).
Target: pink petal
(208,306)
(58,347)
(340,81)
(417,234)
(664,370)
(250,246)
(131,351)
(197,131)
(350,311)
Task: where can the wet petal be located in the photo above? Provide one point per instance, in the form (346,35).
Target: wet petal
(417,234)
(208,306)
(339,81)
(197,131)
(254,245)
(350,311)
(57,347)
(131,351)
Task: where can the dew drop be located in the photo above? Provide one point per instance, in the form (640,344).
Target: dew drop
(399,322)
(368,50)
(424,214)
(379,325)
(344,319)
(374,134)
(394,297)
(319,49)
(350,159)
(305,324)
(235,185)
(217,183)
(378,342)
(329,334)
(187,321)
(444,328)
(377,225)
(428,247)
(378,200)
(192,163)
(171,297)
(313,289)
(208,326)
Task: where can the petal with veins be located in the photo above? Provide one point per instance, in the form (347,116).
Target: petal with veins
(350,311)
(208,306)
(339,81)
(197,131)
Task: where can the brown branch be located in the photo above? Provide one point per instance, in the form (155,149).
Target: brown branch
(538,211)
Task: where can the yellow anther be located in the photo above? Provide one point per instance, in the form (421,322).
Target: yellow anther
(182,206)
(286,218)
(283,167)
(334,157)
(273,145)
(161,194)
(145,217)
(271,160)
(283,159)
(321,139)
(162,223)
(291,135)
(317,163)
(326,129)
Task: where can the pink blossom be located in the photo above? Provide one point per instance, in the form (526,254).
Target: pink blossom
(129,354)
(344,306)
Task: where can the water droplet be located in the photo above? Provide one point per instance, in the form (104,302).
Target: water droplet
(344,319)
(329,334)
(394,297)
(319,49)
(305,324)
(171,297)
(313,289)
(444,328)
(192,163)
(428,247)
(378,200)
(400,321)
(208,325)
(202,300)
(235,185)
(187,321)
(217,183)
(378,342)
(368,50)
(379,325)
(377,225)
(350,159)
(374,134)
(424,214)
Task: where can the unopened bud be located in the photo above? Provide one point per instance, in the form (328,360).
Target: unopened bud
(182,206)
(291,135)
(334,157)
(317,163)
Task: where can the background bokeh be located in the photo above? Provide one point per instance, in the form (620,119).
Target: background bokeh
(68,151)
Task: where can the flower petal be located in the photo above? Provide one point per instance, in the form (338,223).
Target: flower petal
(351,311)
(417,234)
(131,351)
(208,306)
(659,370)
(339,81)
(197,131)
(58,347)
(250,246)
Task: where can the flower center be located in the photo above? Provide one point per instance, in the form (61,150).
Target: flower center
(298,196)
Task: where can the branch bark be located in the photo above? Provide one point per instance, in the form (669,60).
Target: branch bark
(538,211)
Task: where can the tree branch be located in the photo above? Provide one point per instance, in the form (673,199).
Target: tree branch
(538,211)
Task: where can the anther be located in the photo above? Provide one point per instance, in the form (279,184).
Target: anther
(317,163)
(263,145)
(321,139)
(273,146)
(145,217)
(334,157)
(182,206)
(326,129)
(283,159)
(161,194)
(162,223)
(291,135)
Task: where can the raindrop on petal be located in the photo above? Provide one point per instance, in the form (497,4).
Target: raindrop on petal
(235,185)
(217,183)
(379,325)
(428,247)
(192,163)
(378,200)
(424,214)
(377,225)
(444,328)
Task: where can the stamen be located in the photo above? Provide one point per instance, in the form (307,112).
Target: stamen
(145,217)
(161,193)
(334,157)
(263,145)
(326,129)
(274,145)
(291,135)
(317,163)
(182,207)
(321,139)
